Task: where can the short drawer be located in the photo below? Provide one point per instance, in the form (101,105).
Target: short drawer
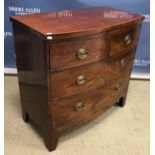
(73,81)
(70,54)
(123,40)
(88,105)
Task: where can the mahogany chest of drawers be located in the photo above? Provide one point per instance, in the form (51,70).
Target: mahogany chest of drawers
(73,65)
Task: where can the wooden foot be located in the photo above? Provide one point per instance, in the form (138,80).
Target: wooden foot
(121,101)
(25,116)
(51,140)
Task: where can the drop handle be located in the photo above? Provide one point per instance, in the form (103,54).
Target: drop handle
(82,53)
(81,79)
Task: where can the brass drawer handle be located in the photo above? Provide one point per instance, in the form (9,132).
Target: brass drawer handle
(80,80)
(127,39)
(82,53)
(79,106)
(117,86)
(123,62)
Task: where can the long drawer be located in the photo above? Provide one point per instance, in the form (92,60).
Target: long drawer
(73,81)
(88,105)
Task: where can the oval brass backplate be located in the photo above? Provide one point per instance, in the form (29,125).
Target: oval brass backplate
(82,53)
(117,86)
(80,80)
(123,62)
(79,106)
(127,39)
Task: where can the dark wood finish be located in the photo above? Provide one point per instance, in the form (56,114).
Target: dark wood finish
(94,74)
(95,102)
(69,22)
(32,59)
(65,54)
(57,89)
(118,42)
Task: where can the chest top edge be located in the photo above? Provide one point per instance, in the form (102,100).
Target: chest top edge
(57,24)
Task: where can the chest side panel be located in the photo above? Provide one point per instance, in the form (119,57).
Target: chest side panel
(32,66)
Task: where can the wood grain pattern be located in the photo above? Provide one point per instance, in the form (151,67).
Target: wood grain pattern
(118,41)
(32,65)
(67,22)
(51,78)
(65,54)
(94,74)
(95,102)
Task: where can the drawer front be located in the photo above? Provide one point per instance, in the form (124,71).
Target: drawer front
(83,78)
(70,54)
(123,40)
(88,105)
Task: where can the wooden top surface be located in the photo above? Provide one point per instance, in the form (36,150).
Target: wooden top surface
(78,20)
